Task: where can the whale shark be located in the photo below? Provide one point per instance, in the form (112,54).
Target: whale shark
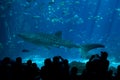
(49,40)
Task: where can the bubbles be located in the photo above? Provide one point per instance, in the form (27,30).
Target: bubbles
(118,11)
(95,18)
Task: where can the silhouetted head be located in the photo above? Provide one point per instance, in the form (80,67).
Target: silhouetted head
(104,55)
(19,60)
(74,70)
(29,62)
(118,69)
(65,61)
(56,59)
(6,60)
(47,61)
(34,65)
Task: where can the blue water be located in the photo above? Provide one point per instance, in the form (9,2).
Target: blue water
(81,21)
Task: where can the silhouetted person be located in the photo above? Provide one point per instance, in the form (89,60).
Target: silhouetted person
(28,70)
(5,69)
(110,75)
(104,64)
(57,68)
(117,76)
(46,70)
(17,68)
(73,74)
(65,71)
(92,67)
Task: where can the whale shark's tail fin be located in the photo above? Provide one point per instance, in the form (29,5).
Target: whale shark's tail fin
(84,49)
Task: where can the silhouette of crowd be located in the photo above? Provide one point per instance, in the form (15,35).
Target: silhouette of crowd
(57,68)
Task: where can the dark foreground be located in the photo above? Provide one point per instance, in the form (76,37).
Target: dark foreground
(58,68)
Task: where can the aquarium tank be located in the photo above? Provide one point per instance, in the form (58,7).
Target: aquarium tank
(72,29)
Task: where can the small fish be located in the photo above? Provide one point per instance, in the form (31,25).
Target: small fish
(25,50)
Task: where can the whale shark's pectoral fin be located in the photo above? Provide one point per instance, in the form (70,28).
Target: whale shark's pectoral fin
(84,49)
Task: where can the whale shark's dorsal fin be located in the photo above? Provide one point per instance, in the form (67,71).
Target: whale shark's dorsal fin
(58,34)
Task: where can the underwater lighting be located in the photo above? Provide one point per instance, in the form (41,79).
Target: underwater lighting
(35,59)
(40,61)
